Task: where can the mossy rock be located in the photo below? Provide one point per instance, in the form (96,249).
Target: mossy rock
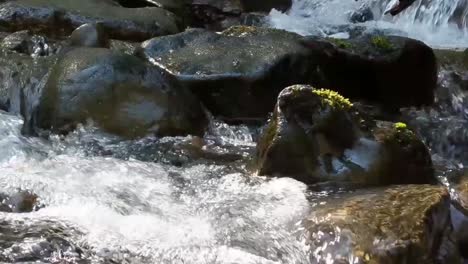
(390,71)
(400,224)
(237,73)
(315,135)
(405,159)
(341,43)
(382,43)
(304,126)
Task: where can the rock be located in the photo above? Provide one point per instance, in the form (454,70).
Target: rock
(20,202)
(178,7)
(90,35)
(120,93)
(452,59)
(461,189)
(361,15)
(61,17)
(238,73)
(266,5)
(21,76)
(399,71)
(400,224)
(316,136)
(124,46)
(34,45)
(221,14)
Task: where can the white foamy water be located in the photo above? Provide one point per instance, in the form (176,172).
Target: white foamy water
(440,23)
(102,208)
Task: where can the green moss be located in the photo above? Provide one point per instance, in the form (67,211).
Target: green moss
(341,43)
(334,99)
(382,43)
(401,134)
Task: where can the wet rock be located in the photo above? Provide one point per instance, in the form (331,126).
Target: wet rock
(120,93)
(61,17)
(401,224)
(452,59)
(124,46)
(317,136)
(20,202)
(461,189)
(215,14)
(460,224)
(221,14)
(238,73)
(398,71)
(35,45)
(39,241)
(266,5)
(361,15)
(90,35)
(21,77)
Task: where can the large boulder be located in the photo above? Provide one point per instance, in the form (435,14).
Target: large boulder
(317,136)
(394,71)
(61,17)
(120,93)
(400,224)
(238,73)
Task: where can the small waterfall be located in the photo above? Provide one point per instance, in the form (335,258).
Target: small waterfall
(440,23)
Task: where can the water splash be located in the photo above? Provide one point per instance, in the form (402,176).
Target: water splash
(118,209)
(440,23)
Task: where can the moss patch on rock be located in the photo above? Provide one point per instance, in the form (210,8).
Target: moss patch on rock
(334,99)
(341,43)
(382,43)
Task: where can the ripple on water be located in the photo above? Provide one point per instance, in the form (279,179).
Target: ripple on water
(107,208)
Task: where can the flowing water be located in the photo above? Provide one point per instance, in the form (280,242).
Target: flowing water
(441,23)
(108,200)
(101,204)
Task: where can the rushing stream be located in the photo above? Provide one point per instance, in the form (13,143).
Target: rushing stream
(121,209)
(108,200)
(440,23)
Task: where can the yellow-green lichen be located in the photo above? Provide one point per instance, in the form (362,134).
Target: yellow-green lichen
(341,43)
(382,43)
(400,126)
(334,99)
(239,31)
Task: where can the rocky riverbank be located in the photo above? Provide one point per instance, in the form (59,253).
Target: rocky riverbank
(361,118)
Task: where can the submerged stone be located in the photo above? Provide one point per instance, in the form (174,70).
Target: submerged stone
(400,224)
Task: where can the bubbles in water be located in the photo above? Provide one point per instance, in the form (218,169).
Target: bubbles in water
(440,23)
(126,210)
